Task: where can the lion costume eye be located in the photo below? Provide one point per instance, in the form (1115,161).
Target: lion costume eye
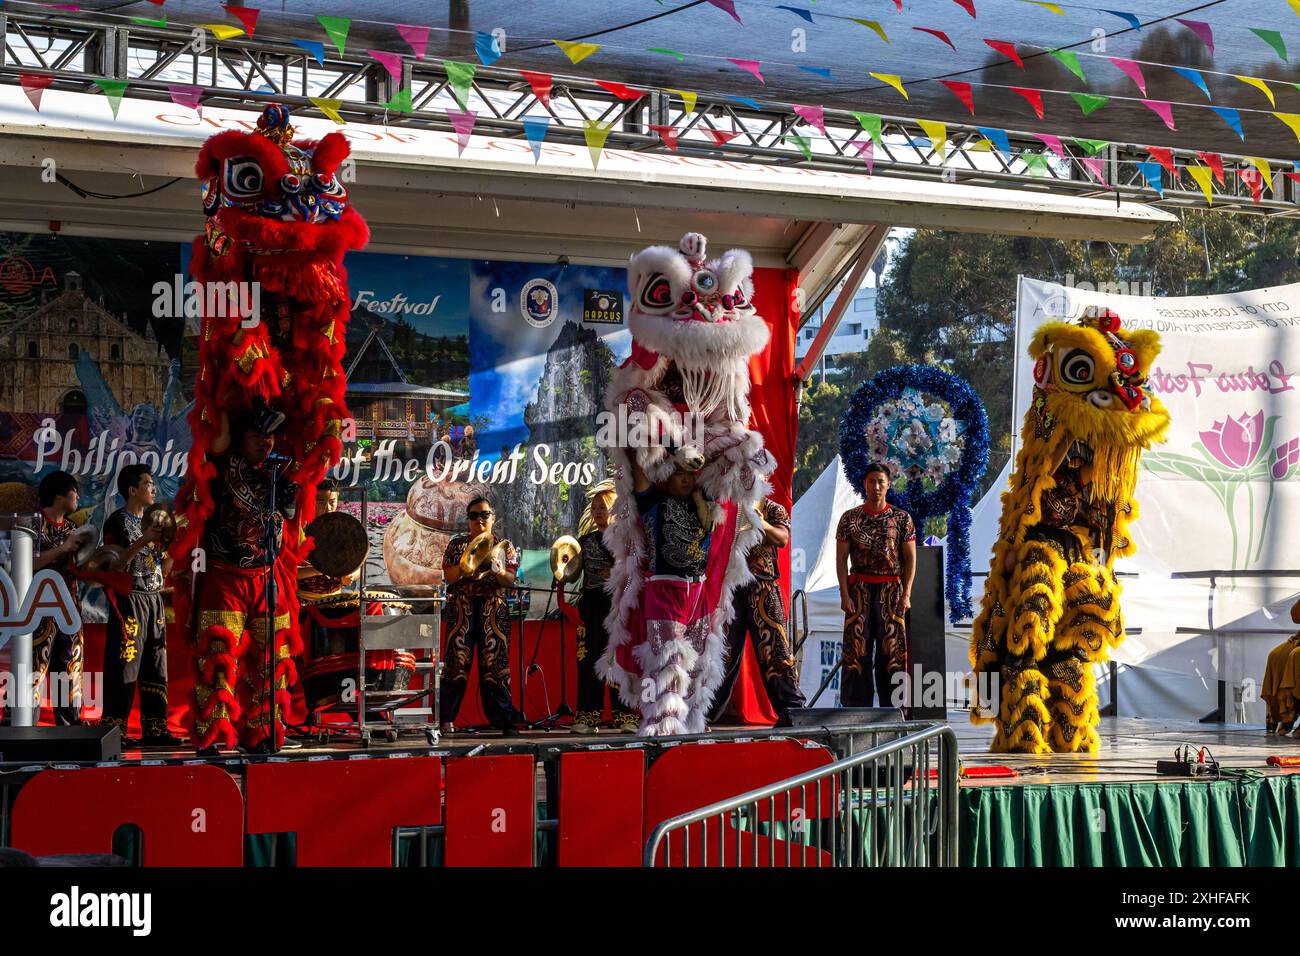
(657,293)
(1077,368)
(242,178)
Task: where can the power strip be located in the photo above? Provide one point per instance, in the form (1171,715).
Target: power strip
(1186,768)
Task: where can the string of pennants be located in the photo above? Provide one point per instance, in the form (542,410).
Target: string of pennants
(460,77)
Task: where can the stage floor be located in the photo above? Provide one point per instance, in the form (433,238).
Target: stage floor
(1130,748)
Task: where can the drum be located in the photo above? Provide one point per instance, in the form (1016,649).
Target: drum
(333,637)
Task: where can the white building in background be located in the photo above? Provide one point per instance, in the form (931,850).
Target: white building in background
(857,325)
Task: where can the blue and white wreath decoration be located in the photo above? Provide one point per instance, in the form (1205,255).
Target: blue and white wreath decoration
(929,427)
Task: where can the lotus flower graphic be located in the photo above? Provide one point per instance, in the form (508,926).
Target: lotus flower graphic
(1235,443)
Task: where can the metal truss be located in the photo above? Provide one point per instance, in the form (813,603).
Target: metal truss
(78,48)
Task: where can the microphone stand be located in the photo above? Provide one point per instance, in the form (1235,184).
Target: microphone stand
(272,553)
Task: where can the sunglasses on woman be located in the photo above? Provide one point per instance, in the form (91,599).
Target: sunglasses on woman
(480,515)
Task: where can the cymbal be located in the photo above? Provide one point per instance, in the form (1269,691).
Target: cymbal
(103,559)
(477,552)
(87,537)
(566,558)
(159,515)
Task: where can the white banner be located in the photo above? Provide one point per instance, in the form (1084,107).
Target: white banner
(1218,560)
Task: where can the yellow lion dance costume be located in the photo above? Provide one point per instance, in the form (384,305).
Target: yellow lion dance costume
(1051,603)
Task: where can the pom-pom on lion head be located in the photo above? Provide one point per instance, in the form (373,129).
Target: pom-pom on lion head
(698,313)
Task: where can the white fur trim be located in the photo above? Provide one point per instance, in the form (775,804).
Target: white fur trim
(717,344)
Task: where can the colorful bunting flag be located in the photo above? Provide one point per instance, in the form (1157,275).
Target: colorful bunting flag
(1033,97)
(223,31)
(798,11)
(541,85)
(867,152)
(34,85)
(1047,6)
(315,48)
(621,91)
(1089,103)
(1133,71)
(1252,178)
(668,134)
(1264,168)
(1053,143)
(936,33)
(1151,173)
(248,17)
(749,66)
(746,101)
(688,99)
(460,77)
(1202,176)
(872,25)
(1129,18)
(820,71)
(485,46)
(1070,60)
(1036,163)
(416,37)
(661,49)
(113,89)
(535,128)
(1259,85)
(401,101)
(937,133)
(1165,157)
(802,143)
(895,81)
(1162,109)
(462,121)
(160,23)
(721,137)
(575,51)
(1273,39)
(730,7)
(336,28)
(187,96)
(967,5)
(963,92)
(1215,162)
(595,133)
(1202,30)
(1097,167)
(330,107)
(1292,120)
(871,123)
(392,62)
(1195,76)
(1232,118)
(814,116)
(1091,146)
(1007,49)
(998,137)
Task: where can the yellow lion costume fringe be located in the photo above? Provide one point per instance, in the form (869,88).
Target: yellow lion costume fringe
(1050,610)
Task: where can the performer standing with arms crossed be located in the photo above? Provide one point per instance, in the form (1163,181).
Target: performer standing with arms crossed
(875,597)
(478,567)
(136,645)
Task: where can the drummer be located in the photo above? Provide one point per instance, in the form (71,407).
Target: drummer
(320,596)
(313,584)
(135,650)
(478,567)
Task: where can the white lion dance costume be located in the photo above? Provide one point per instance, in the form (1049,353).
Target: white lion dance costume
(693,329)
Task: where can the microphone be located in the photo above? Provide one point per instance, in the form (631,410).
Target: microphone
(279,459)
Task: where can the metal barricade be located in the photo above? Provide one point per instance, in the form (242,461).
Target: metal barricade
(891,805)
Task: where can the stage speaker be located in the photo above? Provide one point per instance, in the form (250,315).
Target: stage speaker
(927,684)
(840,717)
(60,744)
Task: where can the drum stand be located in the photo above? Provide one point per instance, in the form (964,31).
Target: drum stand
(563,710)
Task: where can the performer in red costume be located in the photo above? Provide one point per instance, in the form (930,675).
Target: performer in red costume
(276,307)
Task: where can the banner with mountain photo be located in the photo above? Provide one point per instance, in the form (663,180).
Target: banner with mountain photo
(1218,563)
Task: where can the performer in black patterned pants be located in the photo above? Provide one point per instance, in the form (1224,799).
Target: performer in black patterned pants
(478,619)
(760,616)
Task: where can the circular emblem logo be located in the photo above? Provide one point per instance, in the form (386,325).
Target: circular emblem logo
(539,302)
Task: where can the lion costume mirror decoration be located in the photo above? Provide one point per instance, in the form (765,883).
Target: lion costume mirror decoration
(1051,609)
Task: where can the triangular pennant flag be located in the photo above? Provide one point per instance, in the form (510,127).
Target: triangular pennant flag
(820,71)
(184,95)
(1033,97)
(899,4)
(113,89)
(1292,120)
(1264,168)
(963,92)
(595,133)
(895,81)
(1202,30)
(1252,178)
(872,25)
(392,62)
(34,85)
(621,91)
(485,45)
(541,85)
(1129,18)
(1008,50)
(798,11)
(1165,157)
(814,116)
(1273,39)
(967,5)
(462,121)
(401,101)
(937,134)
(1232,118)
(804,144)
(535,128)
(871,123)
(1259,85)
(248,17)
(1097,167)
(1151,173)
(460,77)
(1036,163)
(223,31)
(1053,143)
(330,108)
(1294,5)
(1090,102)
(688,99)
(730,7)
(661,49)
(1047,6)
(315,48)
(1133,71)
(1070,60)
(669,135)
(1215,162)
(416,37)
(1162,109)
(1193,75)
(1091,146)
(752,104)
(935,33)
(575,51)
(867,152)
(336,28)
(998,137)
(749,66)
(981,145)
(721,137)
(160,23)
(1202,175)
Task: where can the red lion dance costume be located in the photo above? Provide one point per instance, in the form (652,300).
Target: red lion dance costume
(278,221)
(694,329)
